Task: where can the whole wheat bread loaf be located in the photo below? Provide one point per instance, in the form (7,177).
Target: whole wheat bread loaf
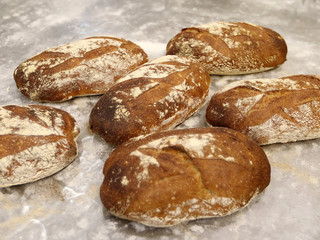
(35,142)
(85,67)
(175,176)
(269,110)
(156,96)
(230,48)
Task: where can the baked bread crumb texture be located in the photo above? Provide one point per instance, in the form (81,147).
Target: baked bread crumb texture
(157,175)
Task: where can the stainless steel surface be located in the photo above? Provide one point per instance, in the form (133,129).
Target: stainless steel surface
(67,205)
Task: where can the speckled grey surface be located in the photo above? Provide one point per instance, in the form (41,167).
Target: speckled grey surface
(67,205)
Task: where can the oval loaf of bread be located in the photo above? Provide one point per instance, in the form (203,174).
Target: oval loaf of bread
(269,110)
(35,142)
(85,67)
(179,175)
(158,95)
(230,48)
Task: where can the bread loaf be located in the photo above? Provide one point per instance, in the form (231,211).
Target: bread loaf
(269,110)
(156,96)
(85,67)
(35,142)
(230,48)
(179,175)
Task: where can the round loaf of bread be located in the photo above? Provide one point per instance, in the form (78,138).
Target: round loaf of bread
(156,96)
(269,110)
(230,48)
(35,142)
(85,67)
(175,176)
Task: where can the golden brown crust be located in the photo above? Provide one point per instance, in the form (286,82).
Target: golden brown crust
(230,48)
(269,110)
(86,67)
(35,142)
(156,96)
(180,175)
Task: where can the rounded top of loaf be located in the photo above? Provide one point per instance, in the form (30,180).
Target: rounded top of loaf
(174,176)
(157,95)
(84,67)
(230,48)
(35,142)
(269,110)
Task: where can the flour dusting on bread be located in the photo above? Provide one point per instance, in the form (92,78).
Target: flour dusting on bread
(269,110)
(156,96)
(84,67)
(170,177)
(36,142)
(230,48)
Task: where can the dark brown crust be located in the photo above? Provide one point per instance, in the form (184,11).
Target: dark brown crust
(119,116)
(258,48)
(181,175)
(284,101)
(39,85)
(14,143)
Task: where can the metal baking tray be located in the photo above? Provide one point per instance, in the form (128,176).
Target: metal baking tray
(67,204)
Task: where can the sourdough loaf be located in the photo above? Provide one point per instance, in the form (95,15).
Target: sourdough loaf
(85,67)
(35,142)
(156,96)
(269,110)
(179,175)
(230,48)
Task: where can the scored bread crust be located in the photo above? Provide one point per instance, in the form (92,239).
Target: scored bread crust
(230,48)
(175,176)
(156,96)
(85,67)
(35,142)
(269,110)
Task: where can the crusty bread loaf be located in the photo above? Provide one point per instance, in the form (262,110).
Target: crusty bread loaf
(35,142)
(86,67)
(230,48)
(180,175)
(156,96)
(269,110)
